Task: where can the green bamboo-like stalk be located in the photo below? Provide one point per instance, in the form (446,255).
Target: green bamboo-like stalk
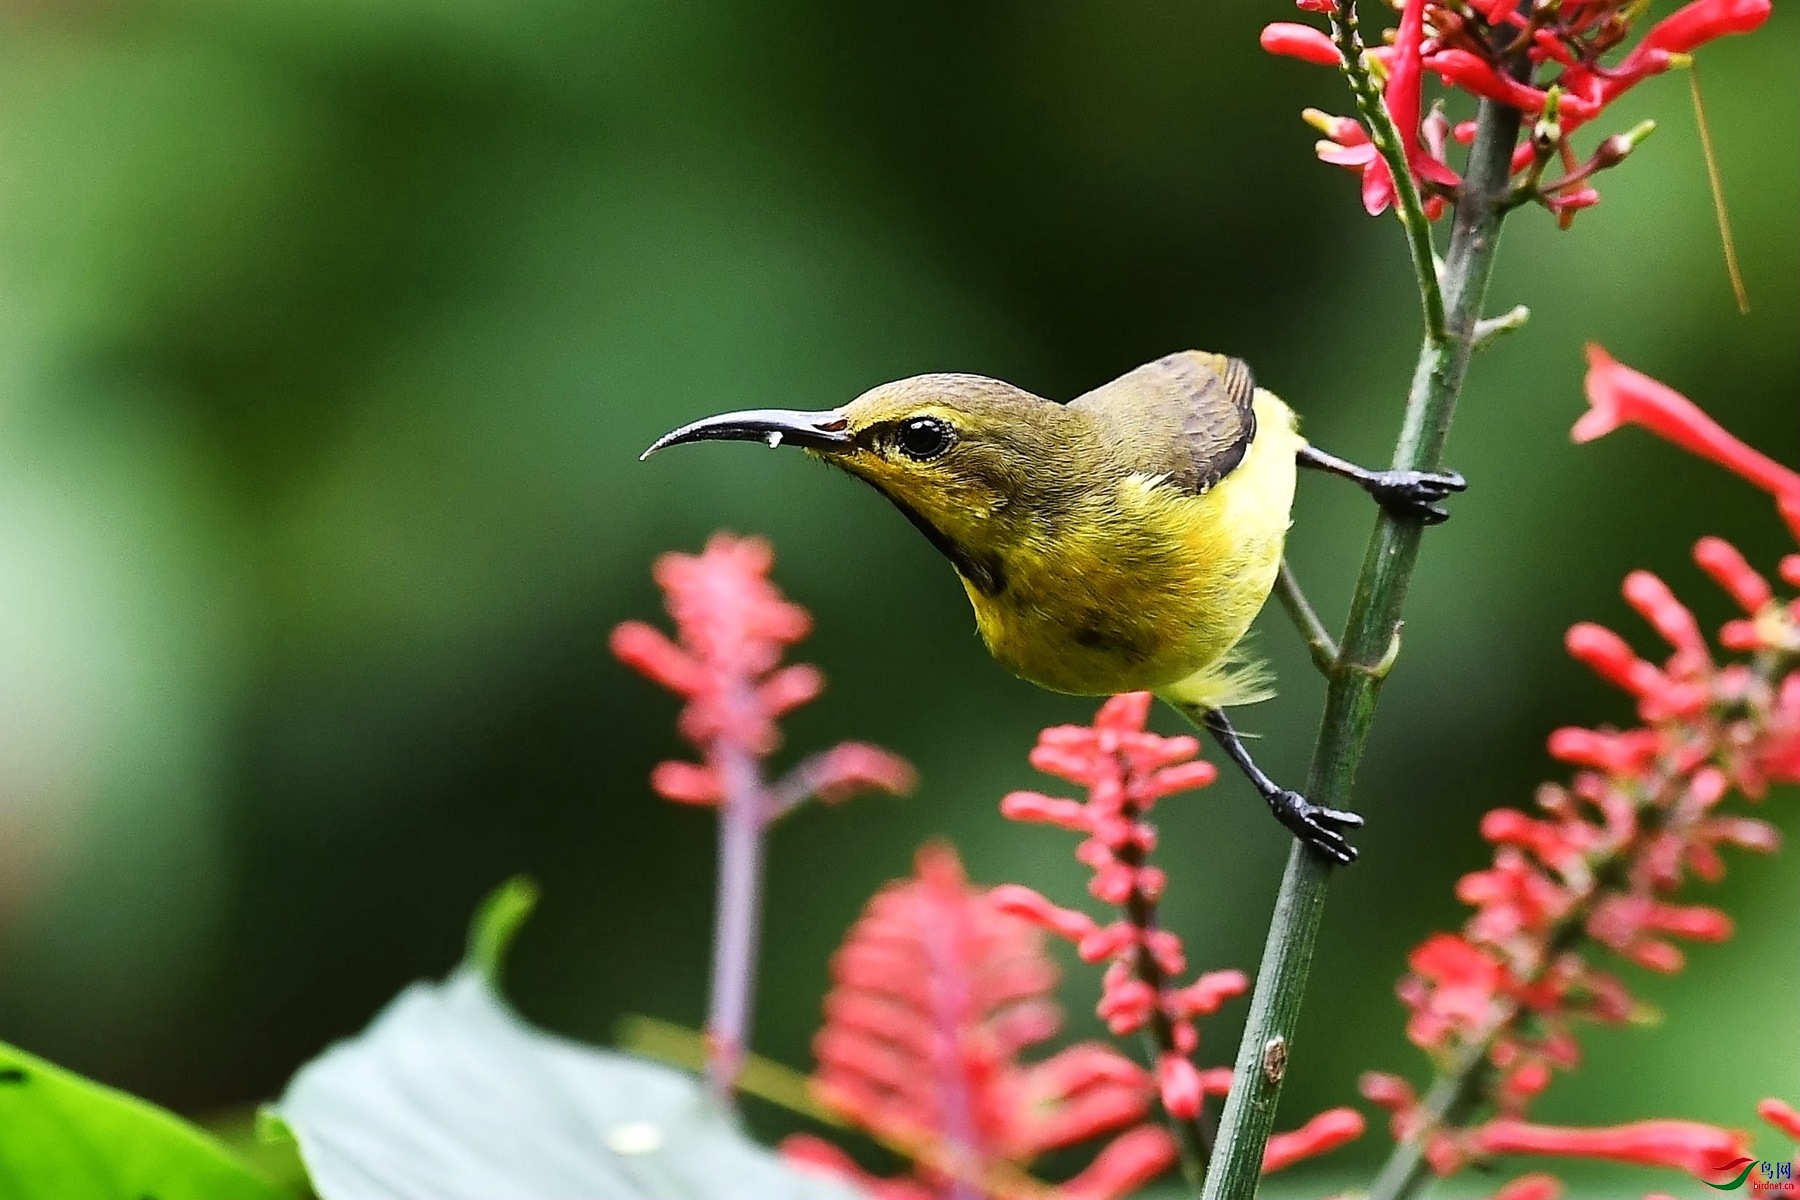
(1366,653)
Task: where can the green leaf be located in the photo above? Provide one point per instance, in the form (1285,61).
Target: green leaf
(450,1095)
(63,1137)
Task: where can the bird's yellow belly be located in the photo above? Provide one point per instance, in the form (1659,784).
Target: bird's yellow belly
(1159,586)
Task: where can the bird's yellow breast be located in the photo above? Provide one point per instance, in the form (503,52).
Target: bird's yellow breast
(1140,585)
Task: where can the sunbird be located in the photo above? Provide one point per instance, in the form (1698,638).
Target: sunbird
(1123,541)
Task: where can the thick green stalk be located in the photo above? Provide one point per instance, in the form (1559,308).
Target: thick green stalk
(1370,636)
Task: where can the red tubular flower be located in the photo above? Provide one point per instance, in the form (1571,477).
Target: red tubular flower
(1346,144)
(1300,41)
(920,1043)
(1732,572)
(1683,1145)
(1693,25)
(1324,1133)
(1622,396)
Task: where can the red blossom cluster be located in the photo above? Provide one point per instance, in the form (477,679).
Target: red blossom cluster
(1602,860)
(1126,769)
(936,992)
(1548,60)
(734,625)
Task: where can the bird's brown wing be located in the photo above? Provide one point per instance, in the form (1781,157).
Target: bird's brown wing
(1188,415)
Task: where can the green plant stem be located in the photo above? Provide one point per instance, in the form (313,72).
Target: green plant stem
(1363,661)
(1306,619)
(1452,1097)
(1408,205)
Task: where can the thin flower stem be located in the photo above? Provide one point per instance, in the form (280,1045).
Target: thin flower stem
(1351,694)
(1385,137)
(737,919)
(1451,1098)
(1301,612)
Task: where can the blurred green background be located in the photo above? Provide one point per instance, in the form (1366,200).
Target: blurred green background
(330,331)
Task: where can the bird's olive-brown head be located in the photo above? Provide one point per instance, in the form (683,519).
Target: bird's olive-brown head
(973,462)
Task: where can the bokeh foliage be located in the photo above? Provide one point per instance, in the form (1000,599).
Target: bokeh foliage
(329,332)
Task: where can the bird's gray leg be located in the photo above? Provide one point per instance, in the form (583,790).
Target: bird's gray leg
(1404,493)
(1313,824)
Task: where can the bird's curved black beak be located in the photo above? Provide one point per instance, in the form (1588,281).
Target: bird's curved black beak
(812,430)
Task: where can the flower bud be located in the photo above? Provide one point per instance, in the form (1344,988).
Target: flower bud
(1613,150)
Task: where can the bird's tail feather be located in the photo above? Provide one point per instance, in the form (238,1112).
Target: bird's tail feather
(1238,678)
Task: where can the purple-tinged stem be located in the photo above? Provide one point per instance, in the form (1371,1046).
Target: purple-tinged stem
(737,919)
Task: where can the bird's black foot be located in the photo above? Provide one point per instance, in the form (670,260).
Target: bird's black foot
(1315,825)
(1414,494)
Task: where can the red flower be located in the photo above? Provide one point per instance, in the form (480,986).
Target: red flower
(1326,1132)
(1477,49)
(1300,41)
(1622,396)
(937,990)
(1346,144)
(734,625)
(1684,1145)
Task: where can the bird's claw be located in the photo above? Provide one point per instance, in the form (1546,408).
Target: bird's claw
(1415,493)
(1316,825)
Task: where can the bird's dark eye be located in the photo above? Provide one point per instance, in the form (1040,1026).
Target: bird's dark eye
(924,438)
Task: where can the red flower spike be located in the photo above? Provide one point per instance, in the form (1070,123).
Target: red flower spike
(1683,1145)
(733,626)
(1326,1132)
(1302,42)
(920,1042)
(1126,769)
(1316,6)
(1604,856)
(1622,396)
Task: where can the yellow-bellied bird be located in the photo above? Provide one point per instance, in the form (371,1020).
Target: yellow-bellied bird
(1121,542)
